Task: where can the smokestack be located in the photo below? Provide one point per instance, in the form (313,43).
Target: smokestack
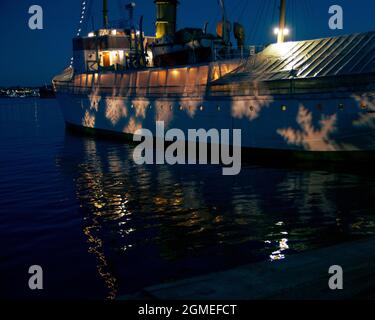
(166,17)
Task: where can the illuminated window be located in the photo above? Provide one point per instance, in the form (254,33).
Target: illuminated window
(218,108)
(284,108)
(171,107)
(201,108)
(177,77)
(181,108)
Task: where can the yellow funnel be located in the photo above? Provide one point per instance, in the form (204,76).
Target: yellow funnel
(166,17)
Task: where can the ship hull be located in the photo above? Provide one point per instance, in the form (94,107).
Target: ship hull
(326,126)
(280,157)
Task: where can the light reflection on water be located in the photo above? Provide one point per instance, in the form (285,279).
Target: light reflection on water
(144,225)
(182,221)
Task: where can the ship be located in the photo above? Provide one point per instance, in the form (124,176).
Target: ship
(311,99)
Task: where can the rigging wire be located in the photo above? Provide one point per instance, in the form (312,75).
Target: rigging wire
(82,22)
(307,10)
(265,23)
(274,11)
(243,10)
(233,9)
(255,26)
(313,12)
(293,24)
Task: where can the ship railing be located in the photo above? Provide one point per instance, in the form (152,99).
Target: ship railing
(240,54)
(165,91)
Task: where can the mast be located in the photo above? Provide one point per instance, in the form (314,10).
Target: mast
(282,22)
(130,8)
(224,22)
(105,14)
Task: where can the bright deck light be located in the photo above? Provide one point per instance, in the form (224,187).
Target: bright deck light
(91,34)
(277,30)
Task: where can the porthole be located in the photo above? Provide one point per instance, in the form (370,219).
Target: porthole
(341,106)
(284,108)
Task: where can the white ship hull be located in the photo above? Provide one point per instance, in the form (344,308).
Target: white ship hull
(315,96)
(294,124)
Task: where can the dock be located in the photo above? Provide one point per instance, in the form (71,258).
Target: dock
(303,276)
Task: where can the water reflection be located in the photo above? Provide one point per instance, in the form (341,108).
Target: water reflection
(150,224)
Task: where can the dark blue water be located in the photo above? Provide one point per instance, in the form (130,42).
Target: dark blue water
(101,226)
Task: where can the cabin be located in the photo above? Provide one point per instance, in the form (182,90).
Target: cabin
(110,49)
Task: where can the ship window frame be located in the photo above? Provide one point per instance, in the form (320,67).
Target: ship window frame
(155,85)
(144,89)
(179,84)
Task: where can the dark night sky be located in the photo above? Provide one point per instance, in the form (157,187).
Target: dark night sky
(33,57)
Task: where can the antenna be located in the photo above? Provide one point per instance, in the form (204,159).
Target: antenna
(105,14)
(282,30)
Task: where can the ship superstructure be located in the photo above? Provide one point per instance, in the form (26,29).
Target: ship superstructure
(314,97)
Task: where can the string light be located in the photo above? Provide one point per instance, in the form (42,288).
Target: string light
(82,19)
(83,14)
